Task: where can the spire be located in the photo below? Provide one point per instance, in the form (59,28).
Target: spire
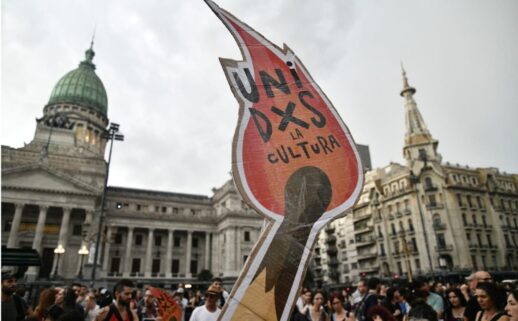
(417,135)
(89,54)
(406,87)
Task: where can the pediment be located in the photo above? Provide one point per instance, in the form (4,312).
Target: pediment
(43,178)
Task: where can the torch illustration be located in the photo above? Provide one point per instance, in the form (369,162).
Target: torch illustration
(294,161)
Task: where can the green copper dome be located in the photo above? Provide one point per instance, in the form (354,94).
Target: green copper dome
(82,86)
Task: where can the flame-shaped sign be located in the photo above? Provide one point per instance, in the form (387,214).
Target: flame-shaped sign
(294,161)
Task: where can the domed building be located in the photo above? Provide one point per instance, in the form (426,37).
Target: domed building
(51,198)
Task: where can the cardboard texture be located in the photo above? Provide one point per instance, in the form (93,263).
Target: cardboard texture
(293,160)
(167,307)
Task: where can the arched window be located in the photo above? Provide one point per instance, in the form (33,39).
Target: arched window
(410,225)
(428,182)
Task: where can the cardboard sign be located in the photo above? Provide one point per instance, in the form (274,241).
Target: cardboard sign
(167,307)
(294,161)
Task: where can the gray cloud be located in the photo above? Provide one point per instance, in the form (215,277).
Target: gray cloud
(159,63)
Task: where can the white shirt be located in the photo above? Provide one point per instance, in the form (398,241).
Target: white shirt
(202,314)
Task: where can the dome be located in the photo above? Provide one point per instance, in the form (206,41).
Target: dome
(82,86)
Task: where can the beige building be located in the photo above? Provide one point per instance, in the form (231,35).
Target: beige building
(424,217)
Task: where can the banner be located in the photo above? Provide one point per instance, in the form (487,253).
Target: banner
(167,307)
(293,160)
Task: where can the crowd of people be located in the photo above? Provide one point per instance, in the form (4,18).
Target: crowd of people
(477,299)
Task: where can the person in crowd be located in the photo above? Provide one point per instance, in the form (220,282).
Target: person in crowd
(404,306)
(65,306)
(77,288)
(369,300)
(420,309)
(337,306)
(382,293)
(464,288)
(12,306)
(316,311)
(492,302)
(218,284)
(391,303)
(456,305)
(512,305)
(439,289)
(191,304)
(148,309)
(119,310)
(473,306)
(20,293)
(359,294)
(380,313)
(200,298)
(210,310)
(45,301)
(178,298)
(91,307)
(432,299)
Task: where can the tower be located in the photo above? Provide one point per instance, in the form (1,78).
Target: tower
(420,147)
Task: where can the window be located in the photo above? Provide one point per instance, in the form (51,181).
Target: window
(245,257)
(474,260)
(410,225)
(7,226)
(118,238)
(77,229)
(459,200)
(489,242)
(470,204)
(135,266)
(468,236)
(177,241)
(158,240)
(479,202)
(441,242)
(464,220)
(194,267)
(194,242)
(247,236)
(417,264)
(155,266)
(479,240)
(157,208)
(428,182)
(393,228)
(139,207)
(115,266)
(175,266)
(164,209)
(175,210)
(414,244)
(484,221)
(138,239)
(432,200)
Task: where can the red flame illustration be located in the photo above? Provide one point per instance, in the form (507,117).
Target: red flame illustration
(286,123)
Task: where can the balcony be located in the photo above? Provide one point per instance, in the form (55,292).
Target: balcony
(444,248)
(332,250)
(434,206)
(366,256)
(410,232)
(468,226)
(363,229)
(406,211)
(430,188)
(439,226)
(473,246)
(330,229)
(399,214)
(331,239)
(366,240)
(333,262)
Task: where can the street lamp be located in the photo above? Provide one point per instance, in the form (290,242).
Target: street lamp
(111,134)
(83,252)
(58,251)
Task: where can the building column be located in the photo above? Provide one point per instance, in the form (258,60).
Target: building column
(15,225)
(63,237)
(40,226)
(32,272)
(149,253)
(107,249)
(207,251)
(169,254)
(127,255)
(188,256)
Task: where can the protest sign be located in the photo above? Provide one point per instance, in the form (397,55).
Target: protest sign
(293,160)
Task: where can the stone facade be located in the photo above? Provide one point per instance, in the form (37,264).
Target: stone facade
(425,217)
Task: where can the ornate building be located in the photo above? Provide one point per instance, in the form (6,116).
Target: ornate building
(425,217)
(51,196)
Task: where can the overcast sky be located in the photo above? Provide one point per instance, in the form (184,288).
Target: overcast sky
(159,63)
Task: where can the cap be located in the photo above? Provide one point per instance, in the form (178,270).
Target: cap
(471,277)
(8,273)
(212,290)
